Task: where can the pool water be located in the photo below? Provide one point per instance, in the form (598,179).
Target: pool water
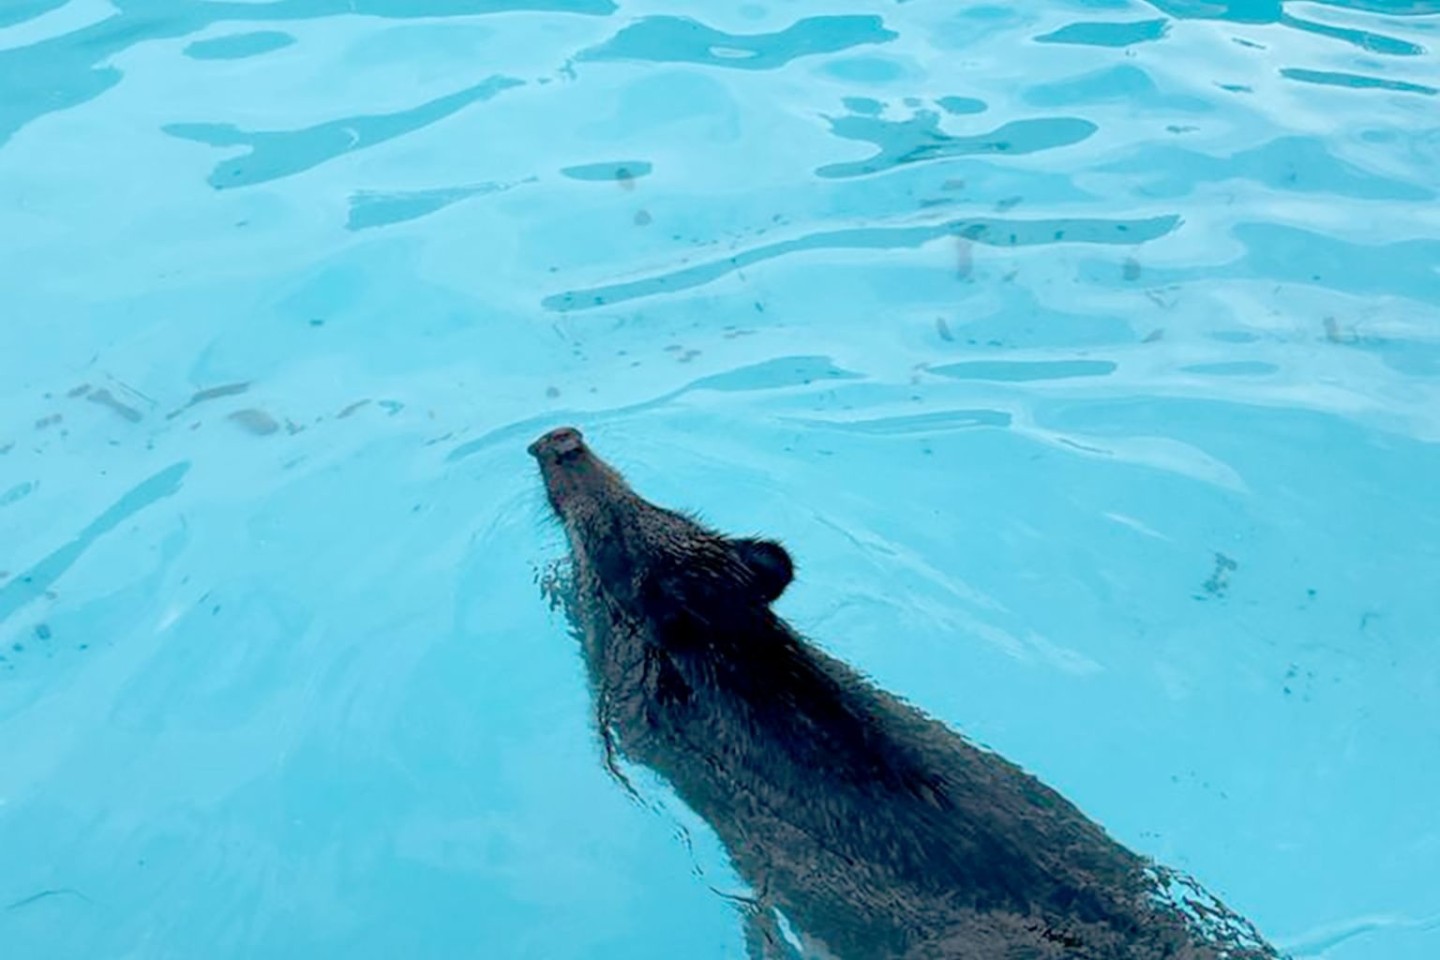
(1085,354)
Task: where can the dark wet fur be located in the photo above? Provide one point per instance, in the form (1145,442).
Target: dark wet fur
(875,830)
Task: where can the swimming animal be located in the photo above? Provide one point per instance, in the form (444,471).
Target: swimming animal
(873,830)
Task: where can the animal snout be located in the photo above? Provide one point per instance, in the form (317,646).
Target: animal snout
(558,443)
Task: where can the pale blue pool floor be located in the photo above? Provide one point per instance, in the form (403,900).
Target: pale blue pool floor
(1085,354)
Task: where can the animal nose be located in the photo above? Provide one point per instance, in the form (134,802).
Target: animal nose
(557,443)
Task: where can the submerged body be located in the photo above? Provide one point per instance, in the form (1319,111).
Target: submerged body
(875,831)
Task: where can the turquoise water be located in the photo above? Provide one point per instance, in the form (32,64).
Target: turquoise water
(1085,354)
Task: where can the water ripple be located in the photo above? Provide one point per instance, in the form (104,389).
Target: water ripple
(1107,33)
(1291,164)
(1121,83)
(18,11)
(920,139)
(276,154)
(1022,371)
(238,46)
(1363,39)
(1290,254)
(663,39)
(32,583)
(374,208)
(996,232)
(1356,81)
(1271,11)
(61,72)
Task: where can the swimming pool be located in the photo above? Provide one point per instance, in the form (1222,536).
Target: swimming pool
(1085,354)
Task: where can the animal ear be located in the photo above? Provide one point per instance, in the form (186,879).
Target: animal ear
(769,563)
